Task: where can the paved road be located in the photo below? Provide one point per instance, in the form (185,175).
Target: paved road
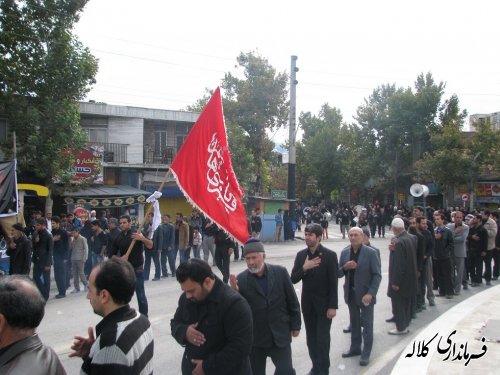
(71,316)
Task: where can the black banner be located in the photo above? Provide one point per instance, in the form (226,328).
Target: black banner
(8,188)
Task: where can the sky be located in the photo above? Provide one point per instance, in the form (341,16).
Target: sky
(164,54)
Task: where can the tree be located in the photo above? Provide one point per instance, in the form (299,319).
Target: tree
(44,70)
(356,151)
(400,121)
(448,163)
(241,155)
(257,103)
(321,144)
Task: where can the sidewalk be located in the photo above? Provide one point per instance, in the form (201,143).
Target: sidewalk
(437,350)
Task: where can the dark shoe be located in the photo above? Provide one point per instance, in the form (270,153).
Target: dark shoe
(60,296)
(364,361)
(465,287)
(351,354)
(495,278)
(414,316)
(449,296)
(423,307)
(347,330)
(155,279)
(474,285)
(391,320)
(488,282)
(432,303)
(164,276)
(440,295)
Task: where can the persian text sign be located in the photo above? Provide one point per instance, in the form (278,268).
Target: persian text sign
(87,164)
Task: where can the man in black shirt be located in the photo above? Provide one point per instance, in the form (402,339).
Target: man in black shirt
(43,246)
(317,267)
(135,258)
(97,243)
(478,245)
(61,255)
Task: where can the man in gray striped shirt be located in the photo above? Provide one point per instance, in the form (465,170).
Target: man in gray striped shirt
(124,342)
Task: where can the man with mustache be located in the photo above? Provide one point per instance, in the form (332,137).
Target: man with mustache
(212,322)
(275,309)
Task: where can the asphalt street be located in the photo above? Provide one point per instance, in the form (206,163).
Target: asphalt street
(65,318)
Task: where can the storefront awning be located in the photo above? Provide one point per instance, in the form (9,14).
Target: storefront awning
(107,196)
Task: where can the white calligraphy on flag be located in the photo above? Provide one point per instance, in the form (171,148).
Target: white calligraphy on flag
(215,183)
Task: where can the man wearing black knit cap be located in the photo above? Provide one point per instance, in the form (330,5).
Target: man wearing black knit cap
(275,308)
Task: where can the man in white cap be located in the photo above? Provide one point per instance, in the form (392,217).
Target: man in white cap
(275,309)
(402,275)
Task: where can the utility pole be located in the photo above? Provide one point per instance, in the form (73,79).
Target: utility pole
(292,133)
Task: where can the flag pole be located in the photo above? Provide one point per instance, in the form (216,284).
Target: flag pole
(129,250)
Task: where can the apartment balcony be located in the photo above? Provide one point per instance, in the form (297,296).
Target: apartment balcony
(165,156)
(112,152)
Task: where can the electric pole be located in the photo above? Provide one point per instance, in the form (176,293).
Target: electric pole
(292,133)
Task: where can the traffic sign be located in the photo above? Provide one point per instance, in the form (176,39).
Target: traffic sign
(465,197)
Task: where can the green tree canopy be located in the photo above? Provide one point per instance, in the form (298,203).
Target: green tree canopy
(257,103)
(44,70)
(400,121)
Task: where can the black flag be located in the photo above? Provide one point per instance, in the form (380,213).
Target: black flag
(8,188)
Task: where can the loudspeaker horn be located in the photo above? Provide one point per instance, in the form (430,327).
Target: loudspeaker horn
(426,190)
(417,190)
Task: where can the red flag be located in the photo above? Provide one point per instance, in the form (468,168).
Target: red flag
(205,174)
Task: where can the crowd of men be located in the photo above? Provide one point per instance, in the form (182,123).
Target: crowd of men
(231,326)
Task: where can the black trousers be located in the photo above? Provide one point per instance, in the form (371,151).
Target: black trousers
(281,357)
(476,267)
(496,258)
(421,287)
(401,308)
(318,341)
(42,280)
(60,274)
(381,230)
(444,277)
(221,258)
(487,264)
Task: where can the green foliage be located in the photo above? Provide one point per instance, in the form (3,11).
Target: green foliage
(256,103)
(485,143)
(449,163)
(44,70)
(321,144)
(400,121)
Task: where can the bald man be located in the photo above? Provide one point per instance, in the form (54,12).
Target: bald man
(21,310)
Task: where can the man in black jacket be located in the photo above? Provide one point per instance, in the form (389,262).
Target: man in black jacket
(402,278)
(317,268)
(275,308)
(19,251)
(61,255)
(478,245)
(43,246)
(443,251)
(213,322)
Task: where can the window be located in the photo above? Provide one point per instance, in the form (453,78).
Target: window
(160,137)
(181,133)
(96,128)
(97,135)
